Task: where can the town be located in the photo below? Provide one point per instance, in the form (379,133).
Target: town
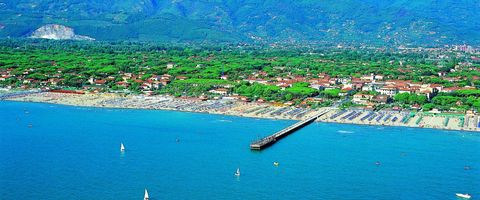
(428,80)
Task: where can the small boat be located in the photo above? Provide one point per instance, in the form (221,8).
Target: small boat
(276,164)
(145,197)
(377,163)
(465,196)
(238,172)
(122,148)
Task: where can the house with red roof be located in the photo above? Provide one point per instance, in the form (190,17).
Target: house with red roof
(360,98)
(389,90)
(100,82)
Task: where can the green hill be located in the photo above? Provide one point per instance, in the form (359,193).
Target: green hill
(420,22)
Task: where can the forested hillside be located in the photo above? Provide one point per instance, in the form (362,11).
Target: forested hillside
(420,22)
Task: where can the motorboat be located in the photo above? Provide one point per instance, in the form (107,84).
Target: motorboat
(464,196)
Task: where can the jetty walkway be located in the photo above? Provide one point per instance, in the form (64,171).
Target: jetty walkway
(271,139)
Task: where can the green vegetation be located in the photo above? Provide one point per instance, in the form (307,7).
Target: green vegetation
(192,87)
(259,73)
(423,22)
(456,101)
(410,99)
(267,92)
(301,90)
(333,93)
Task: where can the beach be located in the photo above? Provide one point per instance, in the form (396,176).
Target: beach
(163,102)
(402,118)
(258,110)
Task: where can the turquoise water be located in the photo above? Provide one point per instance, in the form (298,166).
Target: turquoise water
(73,153)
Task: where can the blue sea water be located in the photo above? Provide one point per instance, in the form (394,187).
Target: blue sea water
(73,153)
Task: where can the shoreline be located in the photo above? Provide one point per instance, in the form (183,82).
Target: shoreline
(257,110)
(88,104)
(149,109)
(415,127)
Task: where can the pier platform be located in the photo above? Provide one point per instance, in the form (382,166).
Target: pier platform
(271,139)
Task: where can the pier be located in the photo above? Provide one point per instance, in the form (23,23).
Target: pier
(271,139)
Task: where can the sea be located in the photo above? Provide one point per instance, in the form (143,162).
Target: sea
(52,151)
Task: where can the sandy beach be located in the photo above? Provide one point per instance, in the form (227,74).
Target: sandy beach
(396,118)
(258,110)
(224,107)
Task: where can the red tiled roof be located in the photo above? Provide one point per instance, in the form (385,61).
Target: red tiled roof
(100,81)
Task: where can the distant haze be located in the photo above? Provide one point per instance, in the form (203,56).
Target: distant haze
(416,22)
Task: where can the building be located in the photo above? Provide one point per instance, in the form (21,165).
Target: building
(220,91)
(388,90)
(181,78)
(375,86)
(170,65)
(381,99)
(100,82)
(224,77)
(405,90)
(361,98)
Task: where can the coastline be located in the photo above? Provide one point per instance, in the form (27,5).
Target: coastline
(168,103)
(257,110)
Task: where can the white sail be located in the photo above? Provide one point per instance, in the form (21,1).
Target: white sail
(122,148)
(238,172)
(146,195)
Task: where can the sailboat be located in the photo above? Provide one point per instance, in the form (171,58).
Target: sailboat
(122,148)
(238,172)
(146,195)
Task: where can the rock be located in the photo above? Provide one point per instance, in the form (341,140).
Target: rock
(57,32)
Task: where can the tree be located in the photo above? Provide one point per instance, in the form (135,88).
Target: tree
(428,106)
(401,97)
(332,93)
(288,97)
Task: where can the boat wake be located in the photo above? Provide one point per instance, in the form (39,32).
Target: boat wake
(345,132)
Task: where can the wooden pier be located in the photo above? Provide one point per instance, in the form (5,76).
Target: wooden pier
(271,139)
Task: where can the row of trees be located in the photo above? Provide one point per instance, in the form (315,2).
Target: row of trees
(104,59)
(254,91)
(460,100)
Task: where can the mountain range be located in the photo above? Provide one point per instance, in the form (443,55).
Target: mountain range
(397,22)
